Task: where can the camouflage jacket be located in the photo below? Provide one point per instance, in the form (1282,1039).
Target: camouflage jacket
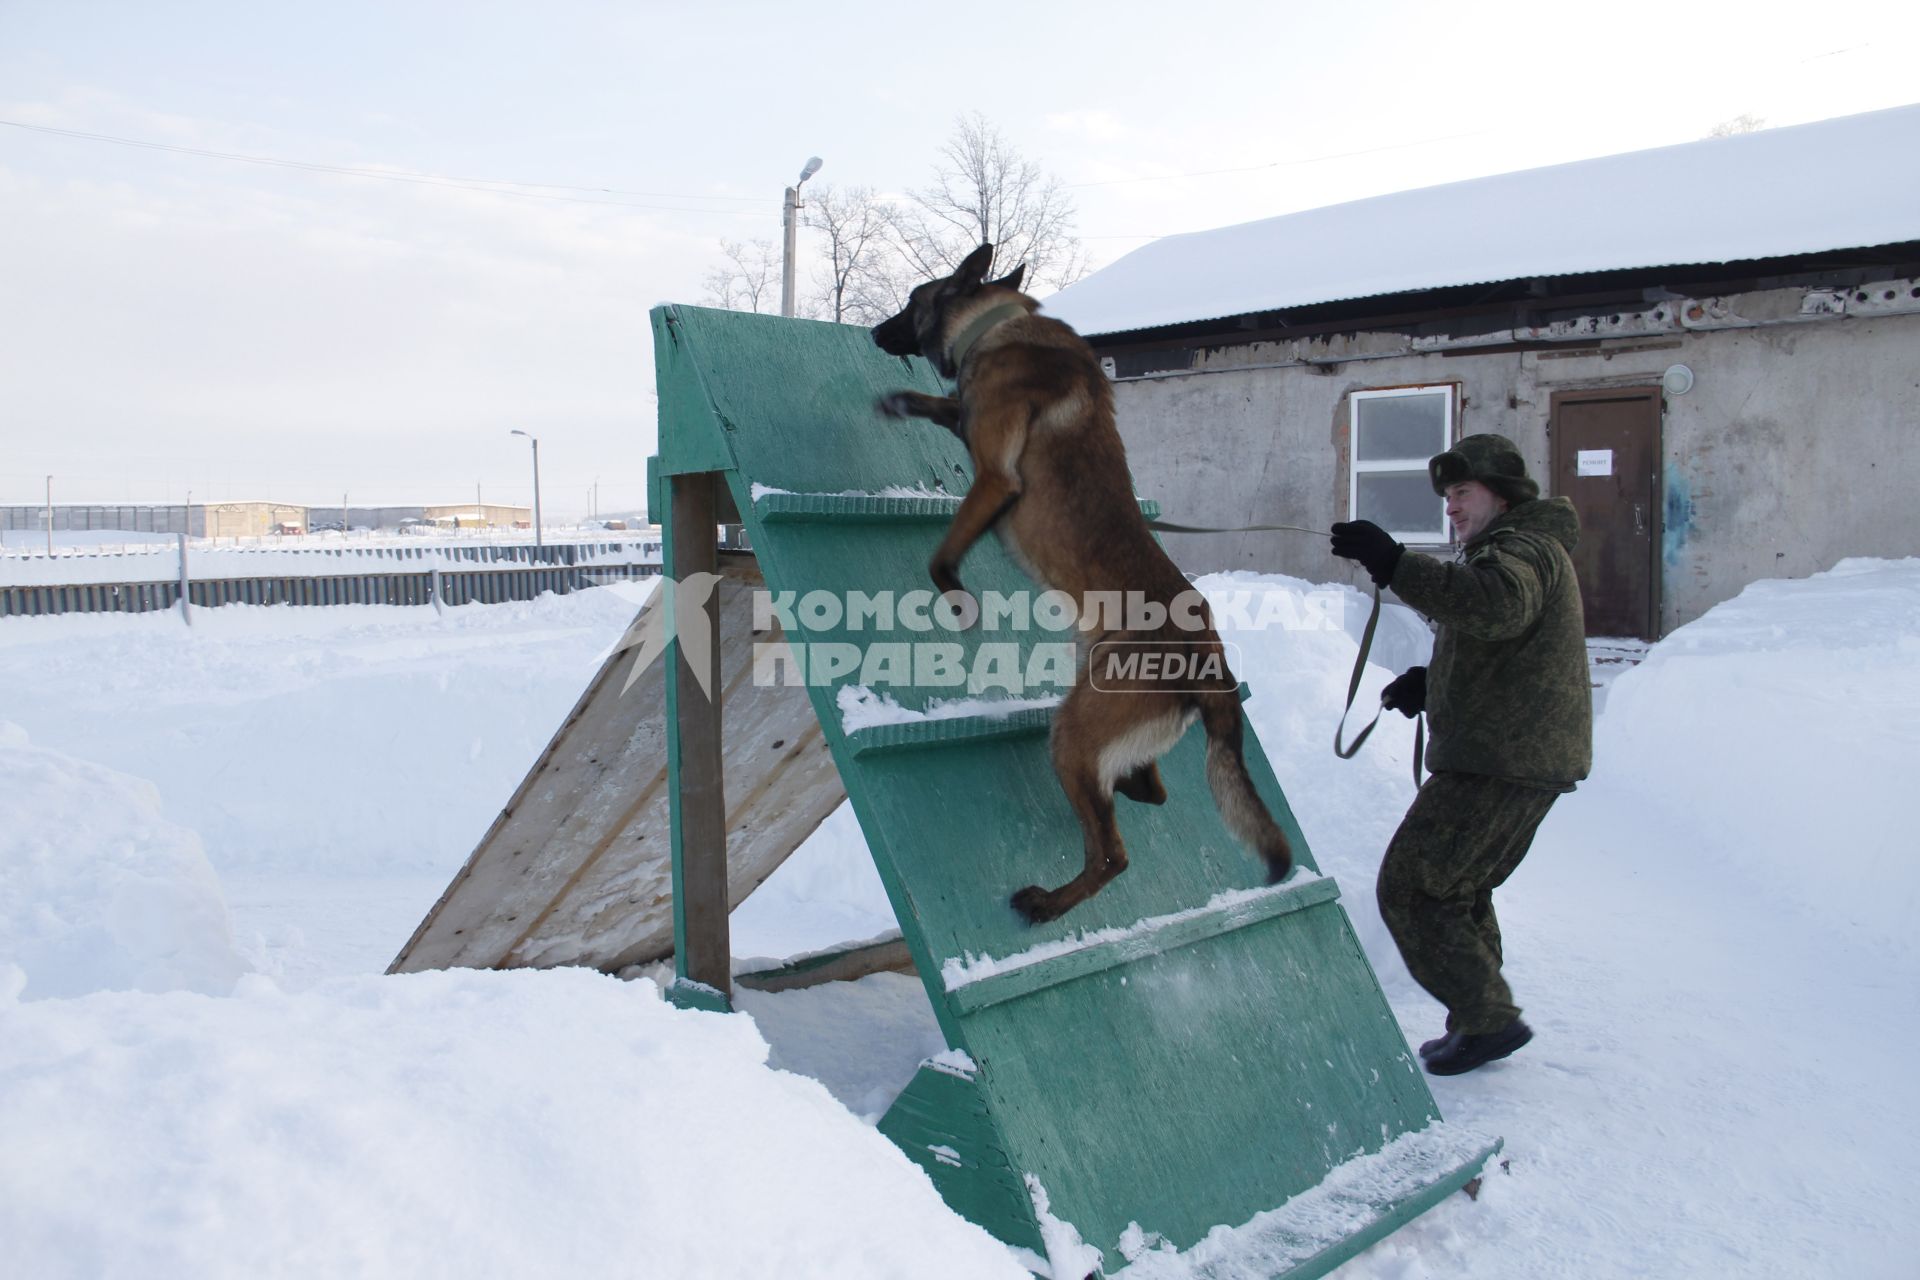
(1508,694)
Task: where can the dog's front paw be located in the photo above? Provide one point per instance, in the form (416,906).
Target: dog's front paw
(946,577)
(895,404)
(1036,904)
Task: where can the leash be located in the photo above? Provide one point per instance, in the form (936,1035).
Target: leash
(1359,662)
(1353,688)
(1166,526)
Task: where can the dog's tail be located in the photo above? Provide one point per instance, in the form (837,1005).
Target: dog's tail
(1240,805)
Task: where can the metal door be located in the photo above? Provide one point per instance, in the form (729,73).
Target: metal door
(1606,455)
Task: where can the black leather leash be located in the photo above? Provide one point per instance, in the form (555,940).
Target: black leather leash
(1359,662)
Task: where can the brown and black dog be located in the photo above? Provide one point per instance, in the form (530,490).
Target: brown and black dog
(1050,476)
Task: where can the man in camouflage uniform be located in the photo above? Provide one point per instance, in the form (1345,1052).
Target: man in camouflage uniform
(1510,713)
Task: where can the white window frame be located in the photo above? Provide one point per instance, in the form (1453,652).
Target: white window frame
(1439,534)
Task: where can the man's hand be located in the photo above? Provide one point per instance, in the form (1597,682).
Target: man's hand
(1407,693)
(1372,546)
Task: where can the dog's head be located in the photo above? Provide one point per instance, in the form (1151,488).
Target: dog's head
(925,326)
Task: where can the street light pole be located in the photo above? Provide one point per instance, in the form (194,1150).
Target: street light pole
(789,211)
(536,482)
(49,515)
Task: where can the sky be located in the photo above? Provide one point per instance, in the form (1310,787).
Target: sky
(175,323)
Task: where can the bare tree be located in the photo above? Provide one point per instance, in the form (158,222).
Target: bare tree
(1745,122)
(985,191)
(750,281)
(854,224)
(877,249)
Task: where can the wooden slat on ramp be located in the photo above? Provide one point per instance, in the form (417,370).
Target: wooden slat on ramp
(577,870)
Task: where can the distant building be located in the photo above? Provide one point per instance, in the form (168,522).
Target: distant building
(252,519)
(1710,348)
(489,516)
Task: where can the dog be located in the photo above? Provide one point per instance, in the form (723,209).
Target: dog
(1035,411)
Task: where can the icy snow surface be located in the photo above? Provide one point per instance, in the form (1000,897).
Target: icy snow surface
(758,491)
(970,968)
(1710,938)
(865,708)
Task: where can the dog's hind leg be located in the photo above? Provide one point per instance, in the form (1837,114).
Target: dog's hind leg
(1076,759)
(1106,856)
(1143,784)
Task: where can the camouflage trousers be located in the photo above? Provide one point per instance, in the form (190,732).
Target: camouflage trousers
(1461,839)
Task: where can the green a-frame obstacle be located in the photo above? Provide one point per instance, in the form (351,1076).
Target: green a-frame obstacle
(1187,1050)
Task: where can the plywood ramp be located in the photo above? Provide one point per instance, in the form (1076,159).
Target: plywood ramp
(577,869)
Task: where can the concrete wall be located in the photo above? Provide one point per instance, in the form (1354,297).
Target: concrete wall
(1798,445)
(129,517)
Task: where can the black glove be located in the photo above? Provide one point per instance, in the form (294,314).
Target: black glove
(1372,546)
(1406,693)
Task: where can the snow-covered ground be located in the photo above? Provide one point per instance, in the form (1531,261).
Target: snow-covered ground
(212,841)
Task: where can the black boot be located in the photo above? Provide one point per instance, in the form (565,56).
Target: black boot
(1436,1044)
(1469,1051)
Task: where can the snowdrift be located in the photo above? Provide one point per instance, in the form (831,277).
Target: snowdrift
(1774,738)
(1708,937)
(458,1124)
(98,890)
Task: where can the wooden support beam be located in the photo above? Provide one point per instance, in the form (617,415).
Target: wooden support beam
(702,947)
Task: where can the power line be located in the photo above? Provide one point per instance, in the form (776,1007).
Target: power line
(495,186)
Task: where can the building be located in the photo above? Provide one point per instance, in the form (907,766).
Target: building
(1713,349)
(488,516)
(251,519)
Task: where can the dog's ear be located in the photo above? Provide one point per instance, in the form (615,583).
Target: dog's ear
(974,269)
(1012,279)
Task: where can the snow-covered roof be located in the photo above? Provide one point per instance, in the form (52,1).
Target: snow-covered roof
(1836,184)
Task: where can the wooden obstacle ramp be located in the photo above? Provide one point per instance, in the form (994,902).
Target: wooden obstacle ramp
(577,869)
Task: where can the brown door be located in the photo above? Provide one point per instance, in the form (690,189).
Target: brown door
(1606,456)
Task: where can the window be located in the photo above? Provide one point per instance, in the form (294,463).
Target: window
(1394,433)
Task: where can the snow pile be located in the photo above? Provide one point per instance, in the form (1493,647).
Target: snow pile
(1773,736)
(446,1124)
(98,890)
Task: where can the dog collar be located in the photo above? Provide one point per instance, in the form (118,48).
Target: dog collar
(977,328)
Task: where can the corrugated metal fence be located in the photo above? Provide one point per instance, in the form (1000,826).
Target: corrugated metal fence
(500,573)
